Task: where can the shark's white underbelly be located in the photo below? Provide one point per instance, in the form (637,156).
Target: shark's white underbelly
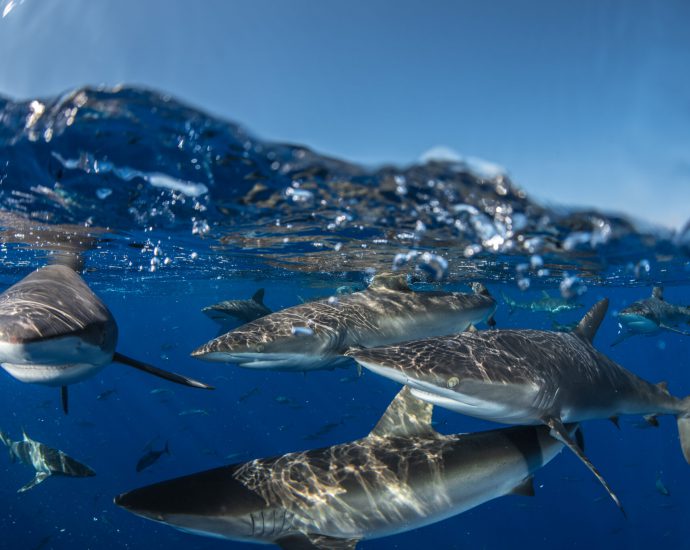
(55,362)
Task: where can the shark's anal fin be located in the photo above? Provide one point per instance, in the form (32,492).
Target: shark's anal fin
(588,326)
(315,542)
(405,416)
(40,476)
(259,296)
(559,432)
(64,398)
(155,371)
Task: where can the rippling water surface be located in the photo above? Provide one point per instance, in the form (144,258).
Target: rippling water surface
(174,210)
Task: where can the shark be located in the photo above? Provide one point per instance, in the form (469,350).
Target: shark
(401,476)
(45,460)
(528,377)
(244,311)
(546,303)
(651,315)
(55,331)
(314,335)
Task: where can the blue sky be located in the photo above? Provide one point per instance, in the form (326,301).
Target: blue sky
(584,103)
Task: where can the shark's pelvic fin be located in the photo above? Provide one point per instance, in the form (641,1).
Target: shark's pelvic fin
(588,326)
(559,432)
(390,281)
(315,542)
(64,397)
(155,371)
(40,476)
(405,416)
(525,489)
(259,296)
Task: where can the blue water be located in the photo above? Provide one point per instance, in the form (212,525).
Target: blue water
(236,214)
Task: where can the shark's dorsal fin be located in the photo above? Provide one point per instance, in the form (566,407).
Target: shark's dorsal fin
(405,416)
(545,294)
(259,296)
(588,326)
(663,386)
(390,281)
(658,293)
(25,437)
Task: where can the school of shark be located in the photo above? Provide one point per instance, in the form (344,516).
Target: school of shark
(443,347)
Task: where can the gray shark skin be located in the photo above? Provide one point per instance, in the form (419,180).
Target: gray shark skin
(314,335)
(546,303)
(45,460)
(402,476)
(527,377)
(244,311)
(651,315)
(55,331)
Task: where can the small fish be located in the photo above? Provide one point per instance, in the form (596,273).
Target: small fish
(251,393)
(162,392)
(190,412)
(660,487)
(151,457)
(106,394)
(323,430)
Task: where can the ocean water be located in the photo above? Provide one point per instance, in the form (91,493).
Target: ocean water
(173,210)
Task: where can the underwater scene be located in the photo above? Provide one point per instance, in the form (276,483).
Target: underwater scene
(210,340)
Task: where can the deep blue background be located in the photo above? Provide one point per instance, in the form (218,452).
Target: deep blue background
(162,323)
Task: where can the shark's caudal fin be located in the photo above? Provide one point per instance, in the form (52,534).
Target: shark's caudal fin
(509,302)
(259,296)
(588,326)
(684,429)
(4,438)
(481,290)
(405,416)
(155,371)
(560,432)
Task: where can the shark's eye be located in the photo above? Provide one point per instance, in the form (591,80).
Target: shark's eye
(453,381)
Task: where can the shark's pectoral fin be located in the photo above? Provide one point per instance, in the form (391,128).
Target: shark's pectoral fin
(525,489)
(64,397)
(674,329)
(40,476)
(155,371)
(616,421)
(621,337)
(315,542)
(559,432)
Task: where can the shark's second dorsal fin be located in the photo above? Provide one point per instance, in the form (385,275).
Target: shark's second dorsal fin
(405,416)
(390,281)
(658,293)
(588,326)
(259,296)
(25,437)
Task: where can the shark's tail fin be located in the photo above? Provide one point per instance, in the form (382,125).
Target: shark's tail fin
(5,438)
(684,429)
